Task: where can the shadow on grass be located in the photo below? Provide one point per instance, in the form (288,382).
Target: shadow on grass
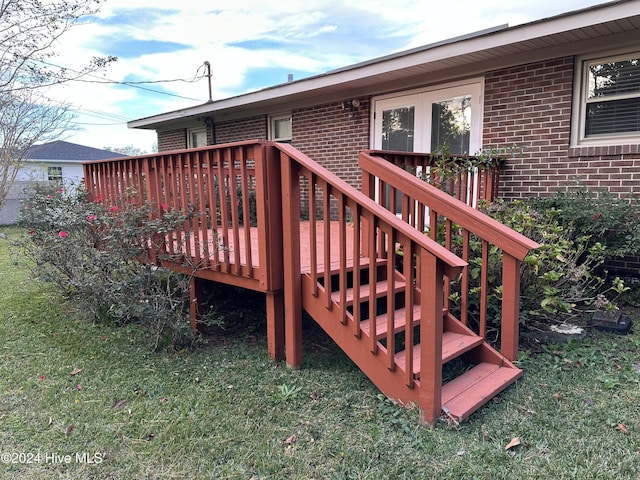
(242,315)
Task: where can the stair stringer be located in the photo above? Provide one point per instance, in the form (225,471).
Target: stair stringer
(390,382)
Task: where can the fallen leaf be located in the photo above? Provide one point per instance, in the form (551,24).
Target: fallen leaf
(557,396)
(515,441)
(75,371)
(70,429)
(622,428)
(618,367)
(119,404)
(291,440)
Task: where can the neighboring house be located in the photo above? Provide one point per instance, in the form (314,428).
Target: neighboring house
(56,162)
(564,90)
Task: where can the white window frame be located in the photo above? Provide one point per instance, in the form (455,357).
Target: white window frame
(272,127)
(190,134)
(580,92)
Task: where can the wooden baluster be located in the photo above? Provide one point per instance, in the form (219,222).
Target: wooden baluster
(431,325)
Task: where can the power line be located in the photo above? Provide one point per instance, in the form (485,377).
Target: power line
(137,84)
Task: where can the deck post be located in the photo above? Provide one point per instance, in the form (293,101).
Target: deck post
(292,274)
(195,304)
(269,205)
(430,396)
(275,325)
(510,332)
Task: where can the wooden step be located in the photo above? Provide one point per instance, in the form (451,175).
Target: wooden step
(400,322)
(453,345)
(334,267)
(468,392)
(381,288)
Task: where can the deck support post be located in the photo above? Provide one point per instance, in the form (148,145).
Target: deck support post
(291,247)
(195,304)
(430,396)
(275,325)
(510,331)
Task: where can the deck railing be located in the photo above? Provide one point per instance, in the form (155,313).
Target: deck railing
(467,178)
(460,228)
(223,192)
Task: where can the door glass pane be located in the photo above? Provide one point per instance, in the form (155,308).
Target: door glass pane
(451,125)
(398,129)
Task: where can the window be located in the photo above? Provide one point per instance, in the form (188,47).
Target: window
(54,175)
(280,128)
(196,137)
(609,101)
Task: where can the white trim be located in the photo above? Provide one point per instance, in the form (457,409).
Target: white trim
(578,115)
(271,127)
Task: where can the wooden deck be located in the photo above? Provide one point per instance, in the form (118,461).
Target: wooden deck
(223,247)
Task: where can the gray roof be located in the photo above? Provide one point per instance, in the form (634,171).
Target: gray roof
(61,150)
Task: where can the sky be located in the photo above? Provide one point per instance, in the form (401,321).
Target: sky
(162,45)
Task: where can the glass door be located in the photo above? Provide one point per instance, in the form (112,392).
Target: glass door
(427,121)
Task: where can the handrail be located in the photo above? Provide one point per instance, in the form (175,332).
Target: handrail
(459,212)
(422,207)
(452,261)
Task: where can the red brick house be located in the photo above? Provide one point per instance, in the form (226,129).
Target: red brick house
(565,91)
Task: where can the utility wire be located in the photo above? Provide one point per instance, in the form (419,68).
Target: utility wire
(136,84)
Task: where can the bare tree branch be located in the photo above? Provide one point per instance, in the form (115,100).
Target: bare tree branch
(29,29)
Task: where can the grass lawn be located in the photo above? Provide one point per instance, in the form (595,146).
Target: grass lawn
(86,401)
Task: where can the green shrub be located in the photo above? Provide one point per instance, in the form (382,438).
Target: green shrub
(613,222)
(98,257)
(560,280)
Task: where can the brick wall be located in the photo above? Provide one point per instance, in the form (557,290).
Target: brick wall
(529,106)
(254,128)
(172,140)
(333,136)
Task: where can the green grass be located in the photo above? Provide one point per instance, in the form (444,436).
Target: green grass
(225,410)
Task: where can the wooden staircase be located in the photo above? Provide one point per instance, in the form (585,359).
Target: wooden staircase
(476,372)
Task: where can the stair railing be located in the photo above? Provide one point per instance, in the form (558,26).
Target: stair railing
(365,232)
(457,226)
